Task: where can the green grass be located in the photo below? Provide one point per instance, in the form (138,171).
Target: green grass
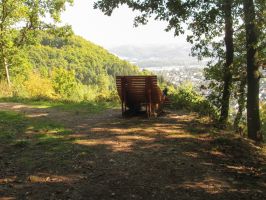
(11,125)
(77,107)
(31,143)
(18,130)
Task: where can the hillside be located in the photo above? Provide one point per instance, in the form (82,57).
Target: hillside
(68,68)
(90,62)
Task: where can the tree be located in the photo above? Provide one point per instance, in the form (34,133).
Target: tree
(212,20)
(19,22)
(229,45)
(253,74)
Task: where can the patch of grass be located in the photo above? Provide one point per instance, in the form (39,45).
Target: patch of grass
(77,107)
(46,126)
(85,107)
(20,131)
(32,143)
(11,125)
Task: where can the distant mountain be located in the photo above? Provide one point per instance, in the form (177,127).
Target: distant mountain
(148,56)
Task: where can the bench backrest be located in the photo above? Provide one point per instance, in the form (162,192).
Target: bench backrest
(138,89)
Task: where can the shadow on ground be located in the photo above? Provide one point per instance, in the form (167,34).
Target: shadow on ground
(177,156)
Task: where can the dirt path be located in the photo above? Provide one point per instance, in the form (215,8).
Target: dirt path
(170,157)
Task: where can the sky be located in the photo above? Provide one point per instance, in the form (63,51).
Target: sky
(116,30)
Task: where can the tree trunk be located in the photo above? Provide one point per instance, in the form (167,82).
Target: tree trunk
(253,74)
(229,61)
(7,72)
(5,65)
(241,103)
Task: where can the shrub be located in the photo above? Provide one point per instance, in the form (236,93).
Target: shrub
(263,119)
(186,97)
(5,90)
(39,87)
(65,84)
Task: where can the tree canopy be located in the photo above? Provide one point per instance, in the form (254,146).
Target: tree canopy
(20,21)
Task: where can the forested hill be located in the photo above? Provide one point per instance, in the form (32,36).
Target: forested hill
(76,68)
(75,53)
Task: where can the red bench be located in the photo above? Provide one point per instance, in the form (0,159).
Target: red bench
(138,91)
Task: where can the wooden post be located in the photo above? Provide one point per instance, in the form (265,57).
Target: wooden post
(122,103)
(150,107)
(124,98)
(148,96)
(122,94)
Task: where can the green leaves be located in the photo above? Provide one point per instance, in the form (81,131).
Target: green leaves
(20,22)
(186,97)
(67,68)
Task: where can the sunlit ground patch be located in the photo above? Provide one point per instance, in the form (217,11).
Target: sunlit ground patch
(51,178)
(191,154)
(209,185)
(114,145)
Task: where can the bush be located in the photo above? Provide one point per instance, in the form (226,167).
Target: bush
(61,85)
(69,88)
(185,97)
(5,90)
(263,119)
(39,87)
(66,85)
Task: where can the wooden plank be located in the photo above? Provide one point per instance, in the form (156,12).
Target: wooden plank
(130,76)
(139,90)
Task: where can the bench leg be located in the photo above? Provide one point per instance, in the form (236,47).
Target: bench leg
(123,110)
(147,110)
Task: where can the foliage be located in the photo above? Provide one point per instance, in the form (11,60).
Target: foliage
(65,83)
(263,119)
(186,97)
(20,22)
(80,70)
(215,70)
(5,91)
(66,68)
(38,87)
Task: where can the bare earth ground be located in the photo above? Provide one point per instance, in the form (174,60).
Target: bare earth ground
(176,156)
